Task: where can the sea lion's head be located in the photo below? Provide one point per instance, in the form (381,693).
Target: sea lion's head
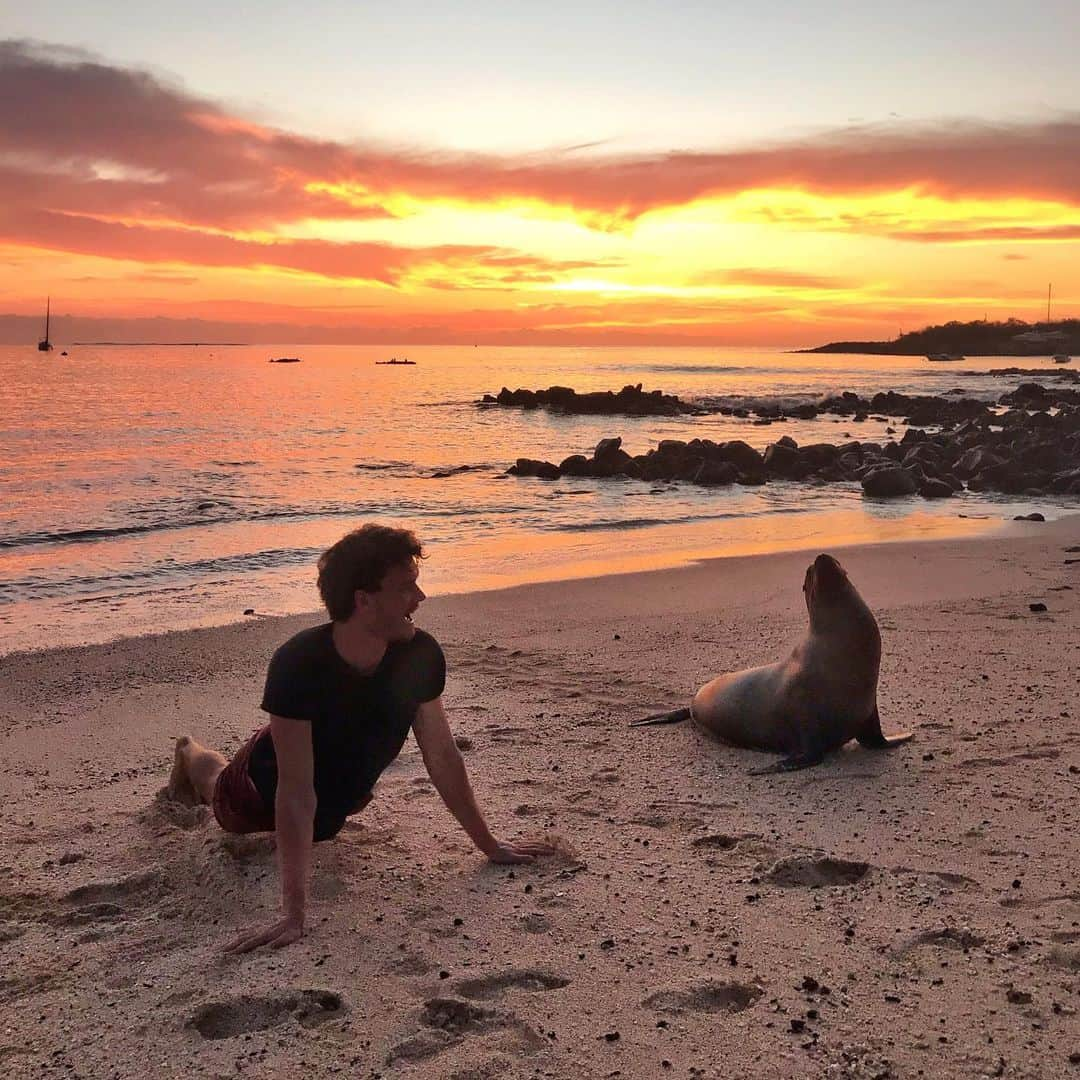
(834,603)
(826,584)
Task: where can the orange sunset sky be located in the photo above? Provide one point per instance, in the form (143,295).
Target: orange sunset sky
(270,183)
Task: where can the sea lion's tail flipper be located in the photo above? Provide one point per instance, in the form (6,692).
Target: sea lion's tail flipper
(676,716)
(872,737)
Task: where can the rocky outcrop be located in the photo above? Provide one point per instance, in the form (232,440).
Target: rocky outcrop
(629,401)
(1019,452)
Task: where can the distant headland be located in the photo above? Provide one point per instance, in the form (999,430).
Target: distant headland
(1013,337)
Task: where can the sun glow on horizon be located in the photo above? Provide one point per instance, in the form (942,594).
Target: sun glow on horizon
(185,210)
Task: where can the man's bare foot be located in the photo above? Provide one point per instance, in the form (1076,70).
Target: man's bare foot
(180,788)
(195,772)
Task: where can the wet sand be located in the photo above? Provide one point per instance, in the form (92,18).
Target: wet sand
(915,913)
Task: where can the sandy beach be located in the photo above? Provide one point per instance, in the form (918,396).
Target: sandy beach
(915,913)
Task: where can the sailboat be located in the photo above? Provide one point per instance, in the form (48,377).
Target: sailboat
(45,345)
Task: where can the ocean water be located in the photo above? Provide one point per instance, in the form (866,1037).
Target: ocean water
(154,488)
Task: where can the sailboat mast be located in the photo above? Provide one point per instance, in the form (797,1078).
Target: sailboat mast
(1048,288)
(48,300)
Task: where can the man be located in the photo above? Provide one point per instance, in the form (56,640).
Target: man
(341,697)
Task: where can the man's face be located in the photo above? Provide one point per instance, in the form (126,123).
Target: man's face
(393,605)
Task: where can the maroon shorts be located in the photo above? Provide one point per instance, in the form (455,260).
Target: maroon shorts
(238,806)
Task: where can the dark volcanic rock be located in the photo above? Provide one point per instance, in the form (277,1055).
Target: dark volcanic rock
(743,456)
(629,401)
(935,489)
(782,460)
(1031,449)
(889,481)
(714,473)
(545,470)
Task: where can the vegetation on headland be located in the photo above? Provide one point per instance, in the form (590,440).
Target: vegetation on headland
(1013,337)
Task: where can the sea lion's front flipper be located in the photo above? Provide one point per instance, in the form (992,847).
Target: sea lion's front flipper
(791,764)
(872,737)
(675,716)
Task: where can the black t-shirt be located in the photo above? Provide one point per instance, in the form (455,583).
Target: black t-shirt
(359,722)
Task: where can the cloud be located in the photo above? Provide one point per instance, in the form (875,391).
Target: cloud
(995,234)
(384,263)
(97,154)
(774,278)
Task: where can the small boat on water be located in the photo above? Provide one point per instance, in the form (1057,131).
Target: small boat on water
(943,357)
(395,362)
(45,345)
(284,359)
(1062,358)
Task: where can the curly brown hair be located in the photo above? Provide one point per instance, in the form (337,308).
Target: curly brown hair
(360,560)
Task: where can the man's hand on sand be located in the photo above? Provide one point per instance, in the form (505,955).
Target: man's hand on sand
(525,852)
(285,931)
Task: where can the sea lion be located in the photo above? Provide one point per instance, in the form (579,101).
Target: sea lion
(823,695)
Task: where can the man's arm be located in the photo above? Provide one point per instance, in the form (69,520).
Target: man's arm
(294,815)
(447,771)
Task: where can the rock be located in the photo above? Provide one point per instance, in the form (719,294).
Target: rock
(629,401)
(976,461)
(935,489)
(888,482)
(1027,394)
(714,473)
(781,459)
(544,470)
(606,447)
(1036,516)
(575,465)
(744,457)
(1036,607)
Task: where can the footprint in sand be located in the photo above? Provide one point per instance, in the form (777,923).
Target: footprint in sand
(1049,754)
(433,920)
(490,986)
(90,913)
(506,733)
(947,938)
(457,1017)
(716,842)
(710,997)
(449,1020)
(25,984)
(139,888)
(534,922)
(411,964)
(607,775)
(239,1015)
(1064,956)
(814,871)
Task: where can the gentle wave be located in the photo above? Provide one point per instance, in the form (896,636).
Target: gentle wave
(38,588)
(358,509)
(688,369)
(618,524)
